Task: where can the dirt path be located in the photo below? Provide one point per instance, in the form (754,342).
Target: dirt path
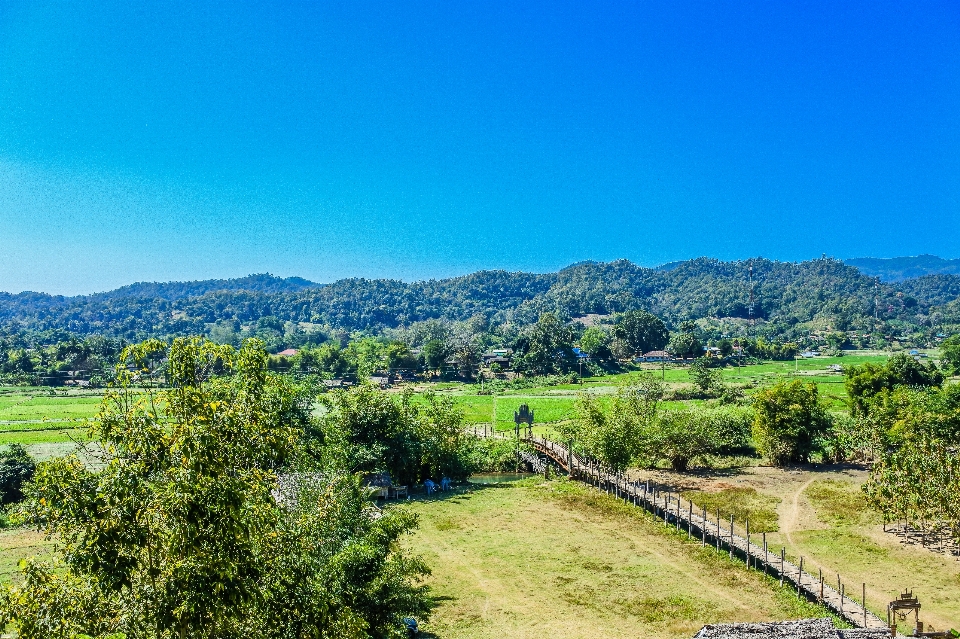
(790,521)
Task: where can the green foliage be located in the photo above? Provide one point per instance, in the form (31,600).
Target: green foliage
(16,468)
(434,354)
(596,341)
(641,331)
(865,382)
(708,381)
(917,476)
(763,349)
(789,422)
(208,518)
(615,435)
(493,455)
(546,348)
(950,354)
(787,295)
(632,429)
(677,436)
(367,430)
(685,345)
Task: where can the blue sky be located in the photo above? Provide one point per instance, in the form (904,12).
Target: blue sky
(190,140)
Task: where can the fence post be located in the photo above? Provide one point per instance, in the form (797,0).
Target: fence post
(718,529)
(748,543)
(703,528)
(864,603)
(731,537)
(783,555)
(766,555)
(799,576)
(690,522)
(821,586)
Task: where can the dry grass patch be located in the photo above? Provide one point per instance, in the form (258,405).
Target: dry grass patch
(559,560)
(743,503)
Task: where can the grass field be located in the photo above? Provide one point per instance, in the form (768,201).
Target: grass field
(558,560)
(821,515)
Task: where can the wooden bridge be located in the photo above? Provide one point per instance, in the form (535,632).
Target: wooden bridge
(697,523)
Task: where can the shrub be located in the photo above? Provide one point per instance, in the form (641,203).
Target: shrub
(789,421)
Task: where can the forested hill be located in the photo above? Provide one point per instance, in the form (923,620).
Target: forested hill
(263,283)
(825,292)
(898,269)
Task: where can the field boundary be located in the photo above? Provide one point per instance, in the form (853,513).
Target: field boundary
(664,503)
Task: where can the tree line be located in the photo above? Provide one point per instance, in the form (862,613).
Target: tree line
(787,298)
(222,505)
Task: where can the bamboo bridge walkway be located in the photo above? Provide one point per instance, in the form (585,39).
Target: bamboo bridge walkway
(697,523)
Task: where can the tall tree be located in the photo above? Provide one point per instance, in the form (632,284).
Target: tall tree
(789,421)
(641,331)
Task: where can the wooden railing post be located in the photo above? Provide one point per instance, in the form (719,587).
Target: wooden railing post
(731,537)
(783,556)
(703,528)
(748,542)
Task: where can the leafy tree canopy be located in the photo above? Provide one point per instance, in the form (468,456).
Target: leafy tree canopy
(789,421)
(864,382)
(209,518)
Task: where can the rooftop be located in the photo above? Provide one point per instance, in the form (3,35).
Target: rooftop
(801,629)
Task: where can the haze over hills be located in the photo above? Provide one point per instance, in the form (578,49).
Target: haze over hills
(789,299)
(897,269)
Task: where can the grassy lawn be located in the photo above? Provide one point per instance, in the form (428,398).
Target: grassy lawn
(34,437)
(26,405)
(558,560)
(17,544)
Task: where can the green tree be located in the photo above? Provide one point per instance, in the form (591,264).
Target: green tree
(709,381)
(616,435)
(16,468)
(596,341)
(546,347)
(641,331)
(366,430)
(789,422)
(199,523)
(435,354)
(864,382)
(950,354)
(685,345)
(679,436)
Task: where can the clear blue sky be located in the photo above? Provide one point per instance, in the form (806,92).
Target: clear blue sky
(190,140)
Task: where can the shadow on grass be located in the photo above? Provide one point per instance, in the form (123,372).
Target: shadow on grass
(460,491)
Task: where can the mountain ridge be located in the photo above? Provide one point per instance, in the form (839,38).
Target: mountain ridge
(788,297)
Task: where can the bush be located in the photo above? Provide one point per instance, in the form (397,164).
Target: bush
(789,421)
(16,468)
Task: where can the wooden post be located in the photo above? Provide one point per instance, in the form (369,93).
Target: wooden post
(863,601)
(766,554)
(703,528)
(799,576)
(841,600)
(821,585)
(748,543)
(718,530)
(731,537)
(783,556)
(690,522)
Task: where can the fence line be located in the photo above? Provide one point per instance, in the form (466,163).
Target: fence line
(665,504)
